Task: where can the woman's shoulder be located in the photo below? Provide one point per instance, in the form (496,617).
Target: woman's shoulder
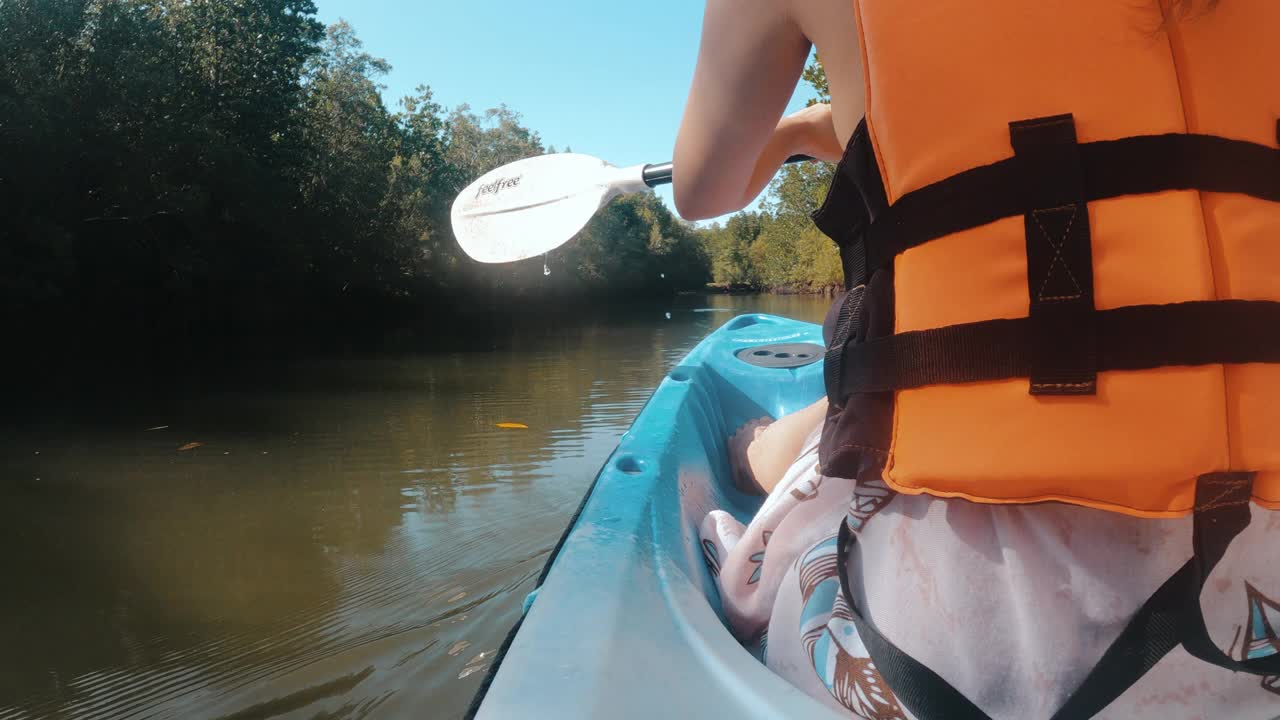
(832,27)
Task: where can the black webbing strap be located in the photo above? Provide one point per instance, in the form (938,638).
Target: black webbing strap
(1110,168)
(1171,616)
(853,262)
(848,325)
(923,691)
(1228,495)
(1059,256)
(1136,337)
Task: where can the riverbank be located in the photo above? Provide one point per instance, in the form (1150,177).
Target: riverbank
(734,289)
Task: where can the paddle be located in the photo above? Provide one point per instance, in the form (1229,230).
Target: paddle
(532,206)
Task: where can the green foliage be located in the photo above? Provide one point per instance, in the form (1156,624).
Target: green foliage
(816,76)
(779,247)
(730,250)
(214,165)
(636,246)
(479,143)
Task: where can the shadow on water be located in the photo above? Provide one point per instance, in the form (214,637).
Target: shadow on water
(345,535)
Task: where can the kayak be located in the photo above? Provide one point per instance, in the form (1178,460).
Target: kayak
(626,619)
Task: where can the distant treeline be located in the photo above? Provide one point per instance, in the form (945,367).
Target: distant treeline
(228,166)
(778,247)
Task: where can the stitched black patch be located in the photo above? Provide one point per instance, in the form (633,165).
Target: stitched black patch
(1059,256)
(1059,239)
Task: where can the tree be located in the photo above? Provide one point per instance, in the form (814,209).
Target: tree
(480,143)
(730,250)
(635,246)
(816,75)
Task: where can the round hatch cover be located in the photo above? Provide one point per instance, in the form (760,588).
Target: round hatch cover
(782,355)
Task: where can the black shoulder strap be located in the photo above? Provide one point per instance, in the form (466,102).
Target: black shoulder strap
(1171,616)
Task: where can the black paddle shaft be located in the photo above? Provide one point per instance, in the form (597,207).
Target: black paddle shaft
(660,173)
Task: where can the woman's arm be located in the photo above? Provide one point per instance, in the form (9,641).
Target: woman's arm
(731,141)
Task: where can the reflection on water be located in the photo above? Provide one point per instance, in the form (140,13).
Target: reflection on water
(350,538)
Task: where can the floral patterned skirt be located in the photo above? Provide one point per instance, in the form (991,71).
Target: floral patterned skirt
(1012,605)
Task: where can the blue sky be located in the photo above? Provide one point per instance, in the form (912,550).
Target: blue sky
(606,78)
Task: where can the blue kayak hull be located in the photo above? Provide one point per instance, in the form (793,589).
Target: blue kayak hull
(627,622)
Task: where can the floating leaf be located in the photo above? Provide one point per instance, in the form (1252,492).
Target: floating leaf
(457,597)
(470,671)
(190,446)
(513,426)
(458,647)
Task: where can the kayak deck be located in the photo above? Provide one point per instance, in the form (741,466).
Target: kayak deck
(627,622)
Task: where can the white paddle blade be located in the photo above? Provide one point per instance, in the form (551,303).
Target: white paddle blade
(530,207)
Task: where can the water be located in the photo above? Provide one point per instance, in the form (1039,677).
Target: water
(351,537)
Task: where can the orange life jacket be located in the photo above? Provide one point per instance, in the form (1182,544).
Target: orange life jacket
(1060,227)
(1132,219)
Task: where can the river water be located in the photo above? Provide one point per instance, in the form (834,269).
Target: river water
(349,536)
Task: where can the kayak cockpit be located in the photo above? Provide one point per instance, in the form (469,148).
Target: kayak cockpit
(628,620)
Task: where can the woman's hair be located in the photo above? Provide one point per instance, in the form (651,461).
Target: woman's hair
(1185,8)
(1181,10)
